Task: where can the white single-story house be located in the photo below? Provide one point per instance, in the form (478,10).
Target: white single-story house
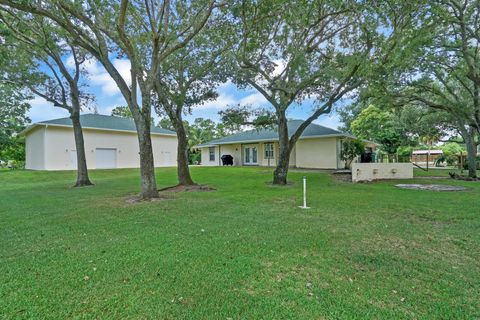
(110,142)
(319,147)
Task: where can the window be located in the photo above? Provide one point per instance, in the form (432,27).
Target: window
(211,153)
(268,150)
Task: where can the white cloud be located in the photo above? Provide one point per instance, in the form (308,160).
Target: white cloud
(225,99)
(42,110)
(330,121)
(39,102)
(99,77)
(221,102)
(255,100)
(280,66)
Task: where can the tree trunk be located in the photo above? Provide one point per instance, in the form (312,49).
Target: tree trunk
(147,166)
(183,171)
(471,153)
(281,171)
(82,171)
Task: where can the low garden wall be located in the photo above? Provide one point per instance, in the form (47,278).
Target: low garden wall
(379,171)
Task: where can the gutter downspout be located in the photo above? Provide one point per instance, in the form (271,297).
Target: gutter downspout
(45,147)
(241,154)
(268,155)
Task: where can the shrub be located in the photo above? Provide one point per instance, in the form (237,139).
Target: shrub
(194,158)
(465,165)
(351,149)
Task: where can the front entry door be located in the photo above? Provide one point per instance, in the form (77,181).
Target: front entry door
(250,155)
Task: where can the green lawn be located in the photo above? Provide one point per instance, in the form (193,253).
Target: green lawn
(440,172)
(244,251)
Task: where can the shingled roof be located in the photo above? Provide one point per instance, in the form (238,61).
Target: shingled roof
(313,130)
(99,121)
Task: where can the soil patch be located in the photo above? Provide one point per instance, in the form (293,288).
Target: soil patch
(342,175)
(137,199)
(431,178)
(431,187)
(457,176)
(181,188)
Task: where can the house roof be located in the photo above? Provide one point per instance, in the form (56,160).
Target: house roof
(101,122)
(432,152)
(312,131)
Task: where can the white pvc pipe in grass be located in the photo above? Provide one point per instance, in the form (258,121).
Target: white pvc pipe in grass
(304,194)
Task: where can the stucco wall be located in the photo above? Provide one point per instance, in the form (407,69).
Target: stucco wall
(206,159)
(379,171)
(164,150)
(60,148)
(236,150)
(318,153)
(262,160)
(34,149)
(308,153)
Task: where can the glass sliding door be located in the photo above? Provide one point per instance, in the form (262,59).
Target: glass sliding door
(247,155)
(250,155)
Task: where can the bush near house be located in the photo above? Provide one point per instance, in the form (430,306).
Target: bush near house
(351,149)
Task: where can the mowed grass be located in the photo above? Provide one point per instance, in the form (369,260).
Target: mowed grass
(244,251)
(440,172)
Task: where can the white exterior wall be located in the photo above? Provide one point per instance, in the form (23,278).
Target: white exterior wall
(262,160)
(236,150)
(379,171)
(59,148)
(340,162)
(206,158)
(317,153)
(34,149)
(232,149)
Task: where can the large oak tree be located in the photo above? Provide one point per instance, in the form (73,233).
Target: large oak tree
(317,51)
(145,33)
(189,79)
(46,72)
(440,69)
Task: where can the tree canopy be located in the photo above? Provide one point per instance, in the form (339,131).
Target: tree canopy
(13,109)
(439,68)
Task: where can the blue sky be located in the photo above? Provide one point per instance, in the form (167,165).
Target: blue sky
(108,97)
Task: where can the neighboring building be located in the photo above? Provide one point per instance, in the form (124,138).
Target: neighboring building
(319,147)
(110,142)
(424,156)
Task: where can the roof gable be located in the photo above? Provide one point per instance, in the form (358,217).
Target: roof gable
(98,121)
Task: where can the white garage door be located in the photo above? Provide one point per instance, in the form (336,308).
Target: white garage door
(167,158)
(106,158)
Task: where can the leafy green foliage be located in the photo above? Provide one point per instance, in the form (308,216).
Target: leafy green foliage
(351,149)
(438,68)
(379,126)
(451,153)
(199,131)
(13,109)
(122,111)
(203,130)
(43,61)
(236,117)
(322,51)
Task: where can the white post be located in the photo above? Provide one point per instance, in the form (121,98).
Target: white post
(304,194)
